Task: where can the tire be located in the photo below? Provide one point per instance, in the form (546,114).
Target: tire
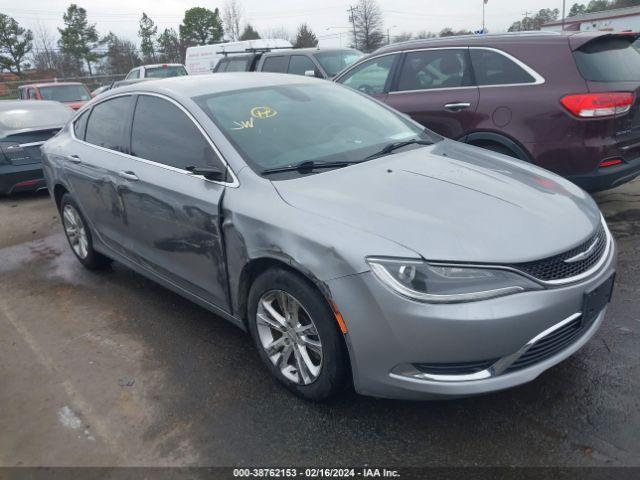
(82,242)
(318,325)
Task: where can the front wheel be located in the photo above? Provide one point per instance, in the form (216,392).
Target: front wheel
(297,335)
(79,236)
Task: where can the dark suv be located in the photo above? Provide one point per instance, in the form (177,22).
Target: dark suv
(312,62)
(566,102)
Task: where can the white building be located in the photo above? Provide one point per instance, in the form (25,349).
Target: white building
(618,20)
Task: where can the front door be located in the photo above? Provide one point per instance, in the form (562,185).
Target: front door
(435,87)
(172,218)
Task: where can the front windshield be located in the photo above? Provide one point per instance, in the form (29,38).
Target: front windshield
(165,72)
(333,62)
(284,125)
(65,93)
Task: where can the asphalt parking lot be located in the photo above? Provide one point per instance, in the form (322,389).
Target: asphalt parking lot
(110,369)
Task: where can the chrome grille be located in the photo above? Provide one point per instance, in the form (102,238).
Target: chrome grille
(556,267)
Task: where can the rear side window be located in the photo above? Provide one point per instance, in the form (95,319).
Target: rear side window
(163,133)
(275,64)
(299,64)
(493,68)
(237,65)
(429,69)
(106,124)
(80,125)
(608,59)
(370,76)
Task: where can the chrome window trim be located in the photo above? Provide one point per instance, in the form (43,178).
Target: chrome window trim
(550,283)
(233,184)
(538,79)
(497,368)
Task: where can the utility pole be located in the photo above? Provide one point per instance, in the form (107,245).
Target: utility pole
(484,2)
(564,5)
(353,22)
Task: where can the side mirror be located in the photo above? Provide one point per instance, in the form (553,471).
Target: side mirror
(309,73)
(210,173)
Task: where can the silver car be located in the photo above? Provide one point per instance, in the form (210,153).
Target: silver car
(354,245)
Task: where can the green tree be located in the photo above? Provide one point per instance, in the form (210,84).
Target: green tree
(169,46)
(577,9)
(147,33)
(201,26)
(15,44)
(545,15)
(598,6)
(249,33)
(78,38)
(121,55)
(305,38)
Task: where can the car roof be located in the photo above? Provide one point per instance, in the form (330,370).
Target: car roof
(157,65)
(510,38)
(26,115)
(195,85)
(50,84)
(293,51)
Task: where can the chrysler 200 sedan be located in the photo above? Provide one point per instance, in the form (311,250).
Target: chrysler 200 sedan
(354,245)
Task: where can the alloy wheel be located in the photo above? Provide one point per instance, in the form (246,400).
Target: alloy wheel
(289,337)
(75,230)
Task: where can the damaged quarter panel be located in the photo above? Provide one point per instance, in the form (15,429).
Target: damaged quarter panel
(258,224)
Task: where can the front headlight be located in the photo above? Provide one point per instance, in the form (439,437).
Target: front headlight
(419,280)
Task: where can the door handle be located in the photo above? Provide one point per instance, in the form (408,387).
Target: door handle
(456,107)
(74,159)
(128,175)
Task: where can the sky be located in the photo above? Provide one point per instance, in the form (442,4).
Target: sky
(328,18)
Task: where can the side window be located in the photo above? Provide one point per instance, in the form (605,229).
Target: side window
(370,76)
(80,125)
(300,64)
(105,126)
(275,64)
(237,65)
(493,68)
(32,94)
(133,74)
(163,133)
(221,66)
(430,69)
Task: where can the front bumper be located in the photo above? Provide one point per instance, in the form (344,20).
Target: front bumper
(608,177)
(387,333)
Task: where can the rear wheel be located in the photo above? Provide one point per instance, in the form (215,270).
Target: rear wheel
(79,236)
(296,334)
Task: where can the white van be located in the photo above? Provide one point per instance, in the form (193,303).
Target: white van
(203,59)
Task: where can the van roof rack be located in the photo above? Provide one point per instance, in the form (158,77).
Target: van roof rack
(254,50)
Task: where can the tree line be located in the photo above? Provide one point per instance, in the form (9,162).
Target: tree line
(80,49)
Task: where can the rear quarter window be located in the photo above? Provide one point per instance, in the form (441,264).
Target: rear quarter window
(494,68)
(609,59)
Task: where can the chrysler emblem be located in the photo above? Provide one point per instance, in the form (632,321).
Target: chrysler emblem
(583,255)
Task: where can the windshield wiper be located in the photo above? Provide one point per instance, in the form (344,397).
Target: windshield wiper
(396,145)
(307,166)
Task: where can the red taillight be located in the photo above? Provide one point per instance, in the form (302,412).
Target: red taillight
(610,163)
(593,105)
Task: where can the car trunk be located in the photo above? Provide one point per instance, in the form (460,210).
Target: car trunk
(611,63)
(24,148)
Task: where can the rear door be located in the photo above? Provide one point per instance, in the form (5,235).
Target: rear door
(611,63)
(436,88)
(94,158)
(172,218)
(372,76)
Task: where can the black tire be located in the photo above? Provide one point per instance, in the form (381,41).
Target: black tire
(93,260)
(334,372)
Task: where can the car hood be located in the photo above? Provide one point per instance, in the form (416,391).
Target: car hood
(452,202)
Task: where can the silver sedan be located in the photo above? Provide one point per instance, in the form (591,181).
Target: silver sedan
(354,245)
